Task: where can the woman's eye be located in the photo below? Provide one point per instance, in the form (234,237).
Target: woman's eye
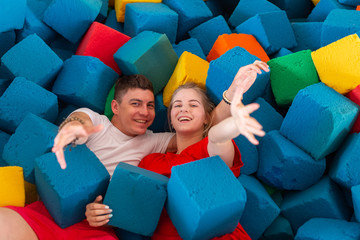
(177,106)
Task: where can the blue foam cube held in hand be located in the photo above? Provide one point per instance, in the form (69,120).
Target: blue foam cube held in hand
(137,197)
(205,200)
(66,192)
(32,138)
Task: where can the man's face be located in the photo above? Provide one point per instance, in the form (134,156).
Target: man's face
(135,113)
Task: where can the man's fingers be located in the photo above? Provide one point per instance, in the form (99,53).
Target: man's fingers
(61,159)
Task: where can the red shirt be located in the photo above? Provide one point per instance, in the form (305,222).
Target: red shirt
(163,162)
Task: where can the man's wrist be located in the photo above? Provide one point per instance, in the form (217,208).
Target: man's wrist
(70,119)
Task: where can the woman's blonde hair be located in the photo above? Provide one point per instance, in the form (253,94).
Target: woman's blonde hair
(207,103)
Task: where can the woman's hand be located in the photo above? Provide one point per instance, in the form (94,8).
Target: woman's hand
(98,214)
(246,125)
(246,76)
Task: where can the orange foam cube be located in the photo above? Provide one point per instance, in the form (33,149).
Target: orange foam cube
(226,42)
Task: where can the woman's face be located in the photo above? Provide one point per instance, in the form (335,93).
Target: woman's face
(187,113)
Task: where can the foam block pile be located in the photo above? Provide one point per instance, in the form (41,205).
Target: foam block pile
(303,177)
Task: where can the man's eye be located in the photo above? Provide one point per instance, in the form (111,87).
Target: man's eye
(151,106)
(136,104)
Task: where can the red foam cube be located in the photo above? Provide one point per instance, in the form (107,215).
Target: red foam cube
(102,42)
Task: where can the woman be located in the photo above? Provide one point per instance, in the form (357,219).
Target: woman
(190,117)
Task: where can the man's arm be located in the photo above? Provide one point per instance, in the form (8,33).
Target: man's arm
(76,128)
(244,78)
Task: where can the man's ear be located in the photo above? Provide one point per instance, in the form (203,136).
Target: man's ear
(115,107)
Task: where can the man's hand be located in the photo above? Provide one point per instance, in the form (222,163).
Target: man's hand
(98,214)
(71,131)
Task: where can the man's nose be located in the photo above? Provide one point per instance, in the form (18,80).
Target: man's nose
(144,111)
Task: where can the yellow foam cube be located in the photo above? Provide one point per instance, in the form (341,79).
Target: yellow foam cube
(315,2)
(12,190)
(338,64)
(120,6)
(189,68)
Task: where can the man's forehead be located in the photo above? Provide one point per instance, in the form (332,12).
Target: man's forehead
(140,94)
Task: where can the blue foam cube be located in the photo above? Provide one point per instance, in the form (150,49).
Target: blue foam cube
(285,166)
(71,18)
(7,41)
(246,9)
(329,229)
(66,193)
(207,32)
(4,138)
(32,138)
(112,22)
(34,24)
(323,199)
(33,59)
(205,200)
(34,99)
(191,45)
(191,14)
(345,167)
(4,84)
(249,155)
(126,235)
(137,56)
(12,15)
(272,30)
(156,17)
(280,228)
(326,115)
(353,3)
(260,210)
(269,118)
(85,81)
(308,35)
(294,8)
(282,52)
(225,68)
(137,197)
(323,8)
(355,194)
(338,24)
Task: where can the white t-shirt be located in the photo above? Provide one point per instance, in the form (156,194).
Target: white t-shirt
(112,146)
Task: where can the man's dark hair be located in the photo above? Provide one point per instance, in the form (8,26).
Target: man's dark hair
(126,82)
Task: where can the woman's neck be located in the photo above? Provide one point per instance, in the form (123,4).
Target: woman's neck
(183,141)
